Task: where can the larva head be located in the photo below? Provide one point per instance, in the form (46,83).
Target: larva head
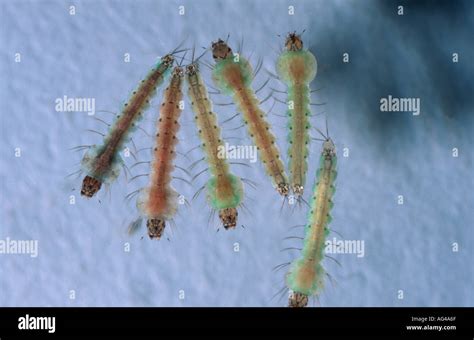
(167,60)
(298,189)
(283,189)
(192,69)
(297,300)
(329,150)
(228,217)
(178,72)
(156,227)
(220,50)
(90,186)
(293,42)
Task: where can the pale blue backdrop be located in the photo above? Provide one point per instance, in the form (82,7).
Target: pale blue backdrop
(82,246)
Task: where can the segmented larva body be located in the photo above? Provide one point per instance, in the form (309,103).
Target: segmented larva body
(102,163)
(234,77)
(225,190)
(306,276)
(297,68)
(158,202)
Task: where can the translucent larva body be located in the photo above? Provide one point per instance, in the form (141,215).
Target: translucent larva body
(297,68)
(306,276)
(225,190)
(158,202)
(233,76)
(102,162)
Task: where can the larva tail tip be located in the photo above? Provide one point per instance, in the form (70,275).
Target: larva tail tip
(283,189)
(297,300)
(155,227)
(228,217)
(90,186)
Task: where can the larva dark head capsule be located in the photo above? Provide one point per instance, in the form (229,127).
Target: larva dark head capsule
(156,227)
(293,42)
(283,189)
(298,189)
(329,150)
(228,217)
(167,60)
(178,72)
(192,69)
(297,300)
(220,50)
(90,186)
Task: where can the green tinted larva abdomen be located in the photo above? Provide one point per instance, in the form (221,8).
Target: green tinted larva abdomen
(234,76)
(158,202)
(297,68)
(225,190)
(306,275)
(102,163)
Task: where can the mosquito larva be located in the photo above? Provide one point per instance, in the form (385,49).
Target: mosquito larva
(306,274)
(102,162)
(225,190)
(233,76)
(158,202)
(297,68)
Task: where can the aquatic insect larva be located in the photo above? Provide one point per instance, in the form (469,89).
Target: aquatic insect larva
(297,68)
(102,162)
(158,202)
(306,275)
(233,76)
(225,190)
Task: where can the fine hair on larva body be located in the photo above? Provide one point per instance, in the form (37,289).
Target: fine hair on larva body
(224,190)
(233,75)
(102,162)
(158,202)
(297,67)
(306,274)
